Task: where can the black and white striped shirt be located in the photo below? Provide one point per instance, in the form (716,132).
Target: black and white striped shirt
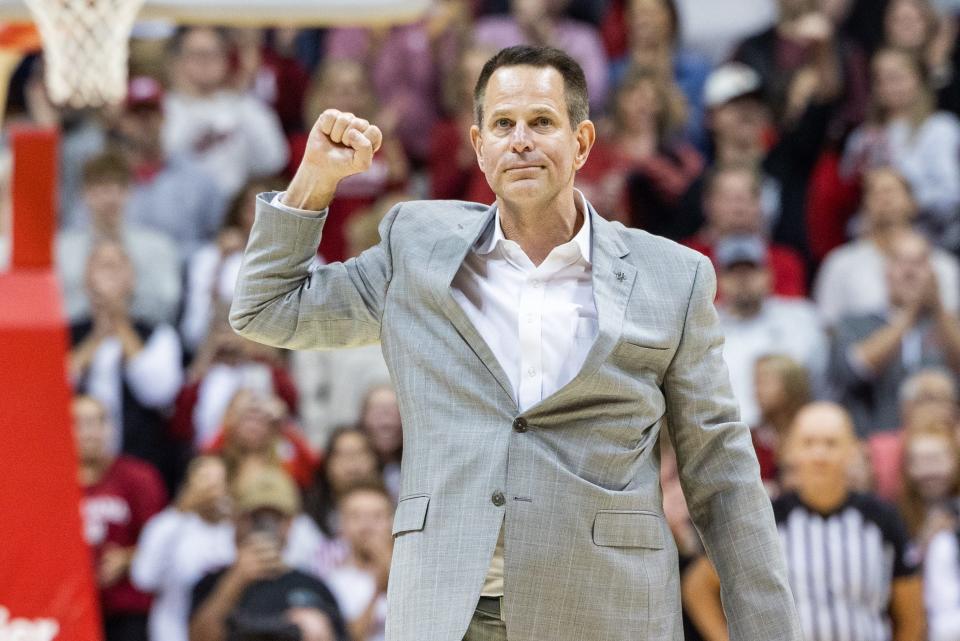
(842,565)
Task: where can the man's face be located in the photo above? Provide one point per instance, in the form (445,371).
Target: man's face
(744,286)
(886,200)
(110,276)
(908,269)
(895,82)
(106,200)
(821,446)
(733,204)
(525,145)
(365,517)
(931,465)
(649,23)
(934,404)
(739,123)
(381,420)
(203,60)
(92,430)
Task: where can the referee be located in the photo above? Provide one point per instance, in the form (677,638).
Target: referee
(853,572)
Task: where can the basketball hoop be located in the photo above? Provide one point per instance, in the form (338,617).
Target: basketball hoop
(86,45)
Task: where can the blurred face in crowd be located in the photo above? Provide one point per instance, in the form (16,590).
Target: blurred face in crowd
(351,458)
(887,200)
(739,123)
(203,60)
(769,385)
(743,288)
(253,420)
(206,487)
(345,84)
(836,10)
(92,430)
(381,421)
(907,24)
(931,465)
(732,204)
(365,516)
(908,268)
(141,126)
(110,275)
(651,25)
(527,12)
(896,84)
(106,200)
(934,403)
(526,146)
(822,446)
(639,105)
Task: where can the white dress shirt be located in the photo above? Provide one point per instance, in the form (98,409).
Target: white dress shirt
(538,320)
(941,586)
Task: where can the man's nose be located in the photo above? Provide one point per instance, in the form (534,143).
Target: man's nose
(520,139)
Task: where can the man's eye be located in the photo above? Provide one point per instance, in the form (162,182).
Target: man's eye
(502,122)
(543,121)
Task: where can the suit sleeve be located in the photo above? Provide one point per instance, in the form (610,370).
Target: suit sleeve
(720,478)
(280,301)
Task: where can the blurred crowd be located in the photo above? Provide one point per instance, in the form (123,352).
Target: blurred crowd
(810,148)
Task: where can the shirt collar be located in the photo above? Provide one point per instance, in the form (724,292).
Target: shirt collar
(493,235)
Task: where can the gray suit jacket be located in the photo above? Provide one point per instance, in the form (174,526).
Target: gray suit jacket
(575,478)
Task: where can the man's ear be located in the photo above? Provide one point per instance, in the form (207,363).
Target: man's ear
(477,144)
(586,136)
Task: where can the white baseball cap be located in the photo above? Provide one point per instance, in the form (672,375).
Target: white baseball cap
(729,81)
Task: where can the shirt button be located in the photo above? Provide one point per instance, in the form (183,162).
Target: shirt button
(520,424)
(498,499)
(530,318)
(535,283)
(532,371)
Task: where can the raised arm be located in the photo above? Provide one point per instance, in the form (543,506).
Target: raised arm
(721,478)
(279,299)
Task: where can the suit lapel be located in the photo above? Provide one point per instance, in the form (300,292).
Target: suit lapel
(613,279)
(445,260)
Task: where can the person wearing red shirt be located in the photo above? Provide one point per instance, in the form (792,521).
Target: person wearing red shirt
(120,494)
(731,205)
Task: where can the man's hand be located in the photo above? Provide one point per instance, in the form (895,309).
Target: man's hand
(340,145)
(114,564)
(258,557)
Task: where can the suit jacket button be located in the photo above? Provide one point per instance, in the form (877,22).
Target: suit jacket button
(520,425)
(498,499)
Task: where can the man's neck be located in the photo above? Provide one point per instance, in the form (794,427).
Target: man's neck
(540,228)
(107,230)
(92,472)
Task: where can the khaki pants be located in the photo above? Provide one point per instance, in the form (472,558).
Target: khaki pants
(486,624)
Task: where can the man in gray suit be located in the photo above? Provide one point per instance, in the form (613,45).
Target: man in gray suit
(537,351)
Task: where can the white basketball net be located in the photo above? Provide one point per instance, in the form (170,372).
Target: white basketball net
(85,48)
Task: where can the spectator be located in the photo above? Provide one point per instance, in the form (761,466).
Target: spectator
(349,459)
(256,426)
(106,194)
(380,420)
(782,387)
(454,173)
(931,482)
(802,54)
(132,367)
(732,202)
(824,528)
(917,27)
(851,279)
(119,495)
(345,84)
(541,23)
(213,268)
(927,398)
(654,37)
(225,364)
(181,544)
(171,195)
(259,592)
(874,353)
(904,130)
(233,136)
(360,583)
(640,142)
(742,133)
(756,323)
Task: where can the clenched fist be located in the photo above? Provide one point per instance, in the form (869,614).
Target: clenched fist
(340,145)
